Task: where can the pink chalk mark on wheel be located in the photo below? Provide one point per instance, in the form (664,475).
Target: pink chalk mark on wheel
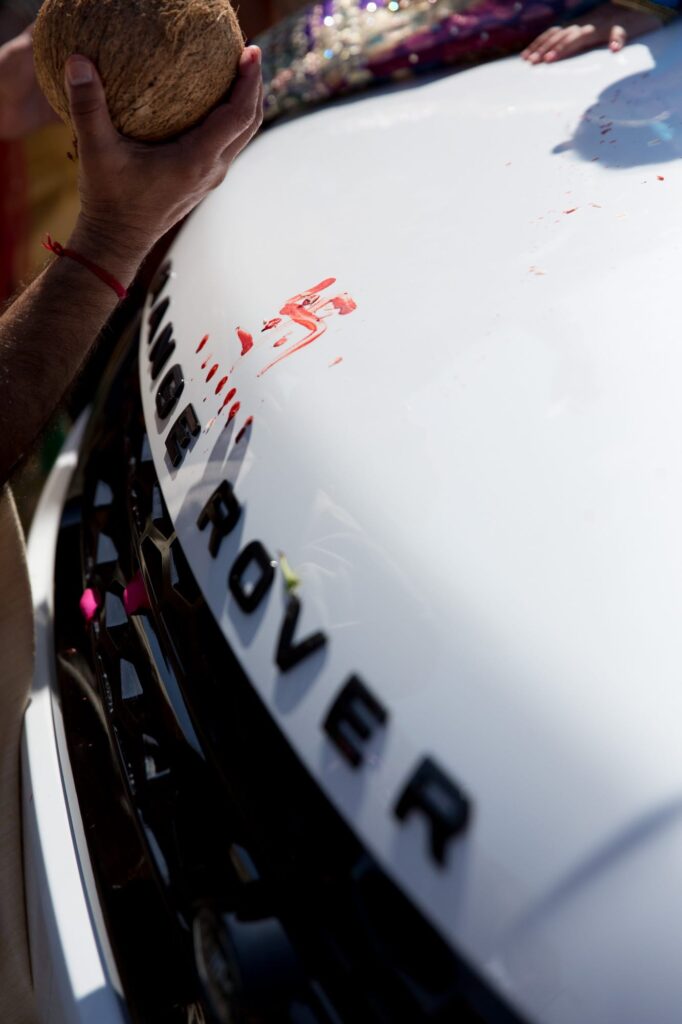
(89,604)
(135,596)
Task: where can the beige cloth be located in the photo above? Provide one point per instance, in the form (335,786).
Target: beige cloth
(16,670)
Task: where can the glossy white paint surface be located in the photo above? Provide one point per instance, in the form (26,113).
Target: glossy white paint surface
(483,500)
(73,973)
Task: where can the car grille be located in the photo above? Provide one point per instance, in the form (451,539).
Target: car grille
(231,889)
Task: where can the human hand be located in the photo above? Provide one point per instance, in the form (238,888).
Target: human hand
(606,24)
(133,192)
(23,108)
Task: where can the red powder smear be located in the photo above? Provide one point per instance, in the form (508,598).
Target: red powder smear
(89,603)
(572,210)
(233,411)
(282,341)
(206,361)
(268,325)
(303,309)
(243,430)
(246,340)
(221,384)
(228,398)
(202,343)
(335,362)
(660,177)
(135,595)
(212,372)
(344,304)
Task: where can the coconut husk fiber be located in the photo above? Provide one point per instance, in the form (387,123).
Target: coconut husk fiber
(164,63)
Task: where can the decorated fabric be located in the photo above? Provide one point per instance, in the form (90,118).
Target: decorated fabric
(339,46)
(666,10)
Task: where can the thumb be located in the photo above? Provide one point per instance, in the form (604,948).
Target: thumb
(618,37)
(88,105)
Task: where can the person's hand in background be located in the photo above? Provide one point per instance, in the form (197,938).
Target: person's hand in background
(23,108)
(606,25)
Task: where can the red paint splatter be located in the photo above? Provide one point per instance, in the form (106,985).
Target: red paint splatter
(206,361)
(202,343)
(233,411)
(228,398)
(246,340)
(282,341)
(343,304)
(660,177)
(221,384)
(135,595)
(212,372)
(335,362)
(269,324)
(572,210)
(303,310)
(243,430)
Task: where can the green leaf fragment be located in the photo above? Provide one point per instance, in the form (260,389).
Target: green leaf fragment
(291,580)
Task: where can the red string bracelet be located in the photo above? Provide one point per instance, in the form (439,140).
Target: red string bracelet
(99,272)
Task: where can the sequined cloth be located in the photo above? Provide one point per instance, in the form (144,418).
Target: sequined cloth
(339,46)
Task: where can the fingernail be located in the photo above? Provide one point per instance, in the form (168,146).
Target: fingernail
(254,55)
(78,71)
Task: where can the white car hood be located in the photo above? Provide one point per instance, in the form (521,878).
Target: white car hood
(476,474)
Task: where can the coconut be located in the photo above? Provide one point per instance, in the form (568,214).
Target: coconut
(164,63)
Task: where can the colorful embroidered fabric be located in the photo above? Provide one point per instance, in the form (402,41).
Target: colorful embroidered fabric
(666,10)
(338,46)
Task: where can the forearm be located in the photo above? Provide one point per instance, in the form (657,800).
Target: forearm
(48,331)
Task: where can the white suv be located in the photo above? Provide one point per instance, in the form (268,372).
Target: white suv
(359,684)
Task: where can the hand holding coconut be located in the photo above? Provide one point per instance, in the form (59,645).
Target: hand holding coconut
(162,67)
(164,63)
(133,192)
